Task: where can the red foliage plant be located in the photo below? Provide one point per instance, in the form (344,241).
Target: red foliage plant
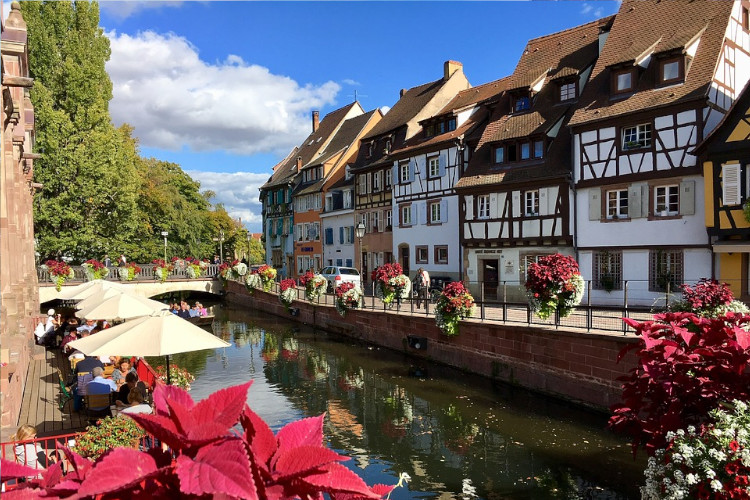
(343,288)
(95,264)
(707,294)
(544,277)
(287,284)
(211,457)
(305,278)
(57,268)
(387,271)
(687,365)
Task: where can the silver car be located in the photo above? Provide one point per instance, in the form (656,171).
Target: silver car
(335,275)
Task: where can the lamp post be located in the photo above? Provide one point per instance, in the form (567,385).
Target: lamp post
(165,234)
(248,247)
(220,239)
(360,232)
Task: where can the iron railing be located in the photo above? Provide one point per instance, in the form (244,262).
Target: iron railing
(146,274)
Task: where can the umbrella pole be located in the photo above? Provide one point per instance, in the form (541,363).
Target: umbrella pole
(169,377)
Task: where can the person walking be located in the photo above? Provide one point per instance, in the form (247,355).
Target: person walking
(107,261)
(422,286)
(123,261)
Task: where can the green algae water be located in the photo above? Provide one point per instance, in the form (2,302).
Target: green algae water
(457,435)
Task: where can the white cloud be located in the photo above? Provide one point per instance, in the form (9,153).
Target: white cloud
(349,81)
(589,9)
(238,192)
(121,10)
(176,100)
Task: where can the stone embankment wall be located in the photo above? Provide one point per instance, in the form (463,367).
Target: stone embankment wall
(578,367)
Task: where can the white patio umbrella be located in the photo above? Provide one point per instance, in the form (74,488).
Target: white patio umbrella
(120,307)
(159,334)
(97,298)
(80,292)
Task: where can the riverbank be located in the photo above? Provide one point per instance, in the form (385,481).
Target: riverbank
(580,367)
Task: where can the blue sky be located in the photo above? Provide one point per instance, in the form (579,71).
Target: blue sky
(225,89)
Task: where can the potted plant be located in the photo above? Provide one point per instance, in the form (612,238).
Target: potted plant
(253,281)
(94,270)
(391,283)
(59,272)
(108,433)
(194,267)
(315,285)
(161,269)
(453,304)
(554,283)
(267,276)
(348,296)
(129,271)
(179,377)
(288,289)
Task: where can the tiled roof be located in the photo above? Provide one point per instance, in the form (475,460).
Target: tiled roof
(564,53)
(510,175)
(344,138)
(419,141)
(343,182)
(406,107)
(312,144)
(644,26)
(473,95)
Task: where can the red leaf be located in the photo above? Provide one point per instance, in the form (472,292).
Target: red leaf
(335,478)
(12,470)
(218,468)
(302,459)
(222,407)
(259,436)
(160,427)
(122,467)
(742,337)
(305,432)
(22,494)
(165,393)
(52,476)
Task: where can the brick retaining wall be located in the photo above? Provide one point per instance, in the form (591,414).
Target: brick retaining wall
(578,367)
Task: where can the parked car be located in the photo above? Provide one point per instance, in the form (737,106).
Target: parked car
(335,275)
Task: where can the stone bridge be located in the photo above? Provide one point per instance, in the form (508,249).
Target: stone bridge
(145,285)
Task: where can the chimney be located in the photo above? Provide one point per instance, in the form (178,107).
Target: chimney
(315,120)
(299,163)
(401,94)
(450,67)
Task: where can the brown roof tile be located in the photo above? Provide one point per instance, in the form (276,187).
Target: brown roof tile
(344,138)
(642,26)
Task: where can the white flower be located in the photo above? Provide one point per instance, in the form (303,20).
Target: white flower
(691,479)
(716,485)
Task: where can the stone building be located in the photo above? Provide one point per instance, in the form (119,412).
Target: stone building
(19,296)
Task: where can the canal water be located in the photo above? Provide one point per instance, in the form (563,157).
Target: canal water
(456,435)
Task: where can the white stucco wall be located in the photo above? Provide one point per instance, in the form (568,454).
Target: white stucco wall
(332,253)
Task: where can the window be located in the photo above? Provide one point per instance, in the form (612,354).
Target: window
(483,206)
(347,199)
(370,148)
(617,204)
(607,271)
(404,172)
(746,18)
(666,200)
(531,202)
(422,254)
(375,221)
(623,81)
(512,153)
(636,137)
(538,149)
(388,220)
(730,184)
(670,70)
(362,184)
(522,103)
(525,261)
(441,254)
(433,166)
(499,154)
(406,215)
(388,178)
(665,270)
(435,213)
(387,148)
(376,181)
(567,91)
(525,151)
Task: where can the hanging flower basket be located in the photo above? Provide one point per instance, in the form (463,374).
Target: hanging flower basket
(194,268)
(267,276)
(348,296)
(391,283)
(453,304)
(161,270)
(239,269)
(252,282)
(554,283)
(288,291)
(129,271)
(94,270)
(178,377)
(314,284)
(59,272)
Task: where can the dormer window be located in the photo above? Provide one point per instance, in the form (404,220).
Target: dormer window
(387,148)
(370,148)
(567,91)
(623,81)
(440,127)
(671,70)
(499,154)
(521,103)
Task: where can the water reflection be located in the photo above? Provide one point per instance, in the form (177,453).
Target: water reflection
(456,435)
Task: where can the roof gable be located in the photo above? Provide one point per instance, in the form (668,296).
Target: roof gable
(734,128)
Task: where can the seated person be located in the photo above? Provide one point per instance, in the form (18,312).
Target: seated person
(184,310)
(131,380)
(203,312)
(121,371)
(194,311)
(70,337)
(30,454)
(98,373)
(90,325)
(87,364)
(136,404)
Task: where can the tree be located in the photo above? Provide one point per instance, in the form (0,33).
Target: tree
(87,206)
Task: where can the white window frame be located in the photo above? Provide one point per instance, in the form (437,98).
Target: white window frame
(636,137)
(389,218)
(375,182)
(567,91)
(666,200)
(616,209)
(483,206)
(404,172)
(435,213)
(406,215)
(375,221)
(388,178)
(433,166)
(531,202)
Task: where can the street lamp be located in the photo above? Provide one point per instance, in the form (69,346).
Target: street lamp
(220,239)
(165,234)
(360,232)
(248,247)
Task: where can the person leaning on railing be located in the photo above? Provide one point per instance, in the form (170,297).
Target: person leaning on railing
(29,452)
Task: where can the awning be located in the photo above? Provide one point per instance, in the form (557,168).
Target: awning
(731,247)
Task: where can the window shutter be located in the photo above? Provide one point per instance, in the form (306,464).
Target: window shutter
(394,174)
(422,212)
(421,165)
(469,207)
(634,201)
(341,234)
(730,184)
(516,209)
(645,195)
(493,205)
(687,197)
(543,203)
(381,221)
(442,162)
(595,204)
(280,226)
(443,210)
(351,233)
(412,168)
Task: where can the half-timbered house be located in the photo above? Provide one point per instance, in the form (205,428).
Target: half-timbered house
(373,169)
(515,193)
(426,169)
(667,74)
(276,193)
(725,157)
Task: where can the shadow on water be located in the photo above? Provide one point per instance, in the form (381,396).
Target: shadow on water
(456,435)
